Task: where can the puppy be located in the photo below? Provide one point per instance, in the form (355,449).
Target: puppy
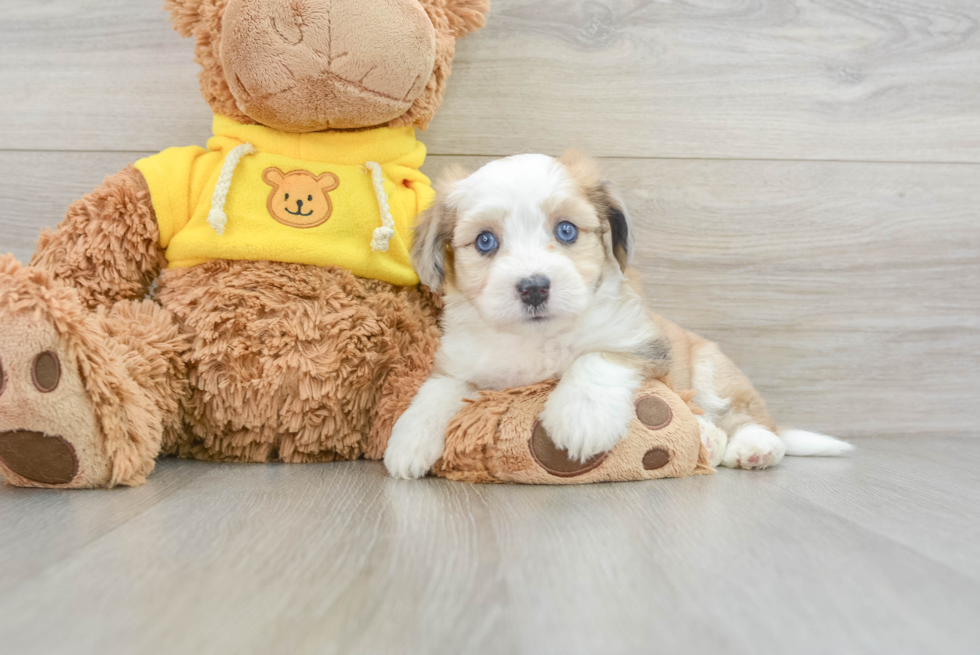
(532,254)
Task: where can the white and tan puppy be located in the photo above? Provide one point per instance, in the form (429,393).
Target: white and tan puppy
(533,255)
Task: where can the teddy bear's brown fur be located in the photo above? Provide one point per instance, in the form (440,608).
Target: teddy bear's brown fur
(235,360)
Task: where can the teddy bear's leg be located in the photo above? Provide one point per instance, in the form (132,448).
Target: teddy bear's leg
(85,396)
(155,361)
(81,402)
(291,362)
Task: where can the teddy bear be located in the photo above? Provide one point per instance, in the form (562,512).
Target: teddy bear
(286,322)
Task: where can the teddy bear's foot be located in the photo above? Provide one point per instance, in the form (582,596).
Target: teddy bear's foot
(498,438)
(70,415)
(49,436)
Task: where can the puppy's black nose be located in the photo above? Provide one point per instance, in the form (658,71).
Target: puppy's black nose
(534,290)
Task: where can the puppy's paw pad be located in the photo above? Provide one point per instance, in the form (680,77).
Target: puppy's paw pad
(754,447)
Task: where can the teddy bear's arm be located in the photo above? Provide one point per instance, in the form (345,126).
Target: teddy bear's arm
(107,246)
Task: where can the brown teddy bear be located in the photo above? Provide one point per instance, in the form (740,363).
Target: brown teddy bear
(288,323)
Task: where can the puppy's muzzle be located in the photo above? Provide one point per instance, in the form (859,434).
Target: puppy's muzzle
(534,290)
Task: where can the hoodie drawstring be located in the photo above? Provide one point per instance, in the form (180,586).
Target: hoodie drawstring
(217,218)
(383,234)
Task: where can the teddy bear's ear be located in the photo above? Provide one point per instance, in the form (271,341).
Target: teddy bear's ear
(466,16)
(184,14)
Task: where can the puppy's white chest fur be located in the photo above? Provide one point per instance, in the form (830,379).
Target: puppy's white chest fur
(490,359)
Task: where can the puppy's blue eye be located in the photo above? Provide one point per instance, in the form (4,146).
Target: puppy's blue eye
(566,232)
(486,242)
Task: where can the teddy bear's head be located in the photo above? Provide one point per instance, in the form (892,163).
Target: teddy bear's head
(311,65)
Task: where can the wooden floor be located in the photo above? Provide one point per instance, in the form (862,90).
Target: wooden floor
(805,180)
(876,553)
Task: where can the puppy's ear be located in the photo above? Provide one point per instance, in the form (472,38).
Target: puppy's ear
(618,236)
(620,224)
(434,231)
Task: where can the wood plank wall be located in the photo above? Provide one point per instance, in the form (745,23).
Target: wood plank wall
(804,174)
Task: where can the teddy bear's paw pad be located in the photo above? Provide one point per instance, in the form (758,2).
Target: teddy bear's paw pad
(555,461)
(38,457)
(656,458)
(654,412)
(34,455)
(46,372)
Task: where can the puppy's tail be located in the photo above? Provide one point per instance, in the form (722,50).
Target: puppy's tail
(813,444)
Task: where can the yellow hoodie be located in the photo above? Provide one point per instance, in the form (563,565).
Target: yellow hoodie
(328,198)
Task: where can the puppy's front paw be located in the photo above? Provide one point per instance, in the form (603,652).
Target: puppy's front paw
(587,420)
(413,448)
(754,447)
